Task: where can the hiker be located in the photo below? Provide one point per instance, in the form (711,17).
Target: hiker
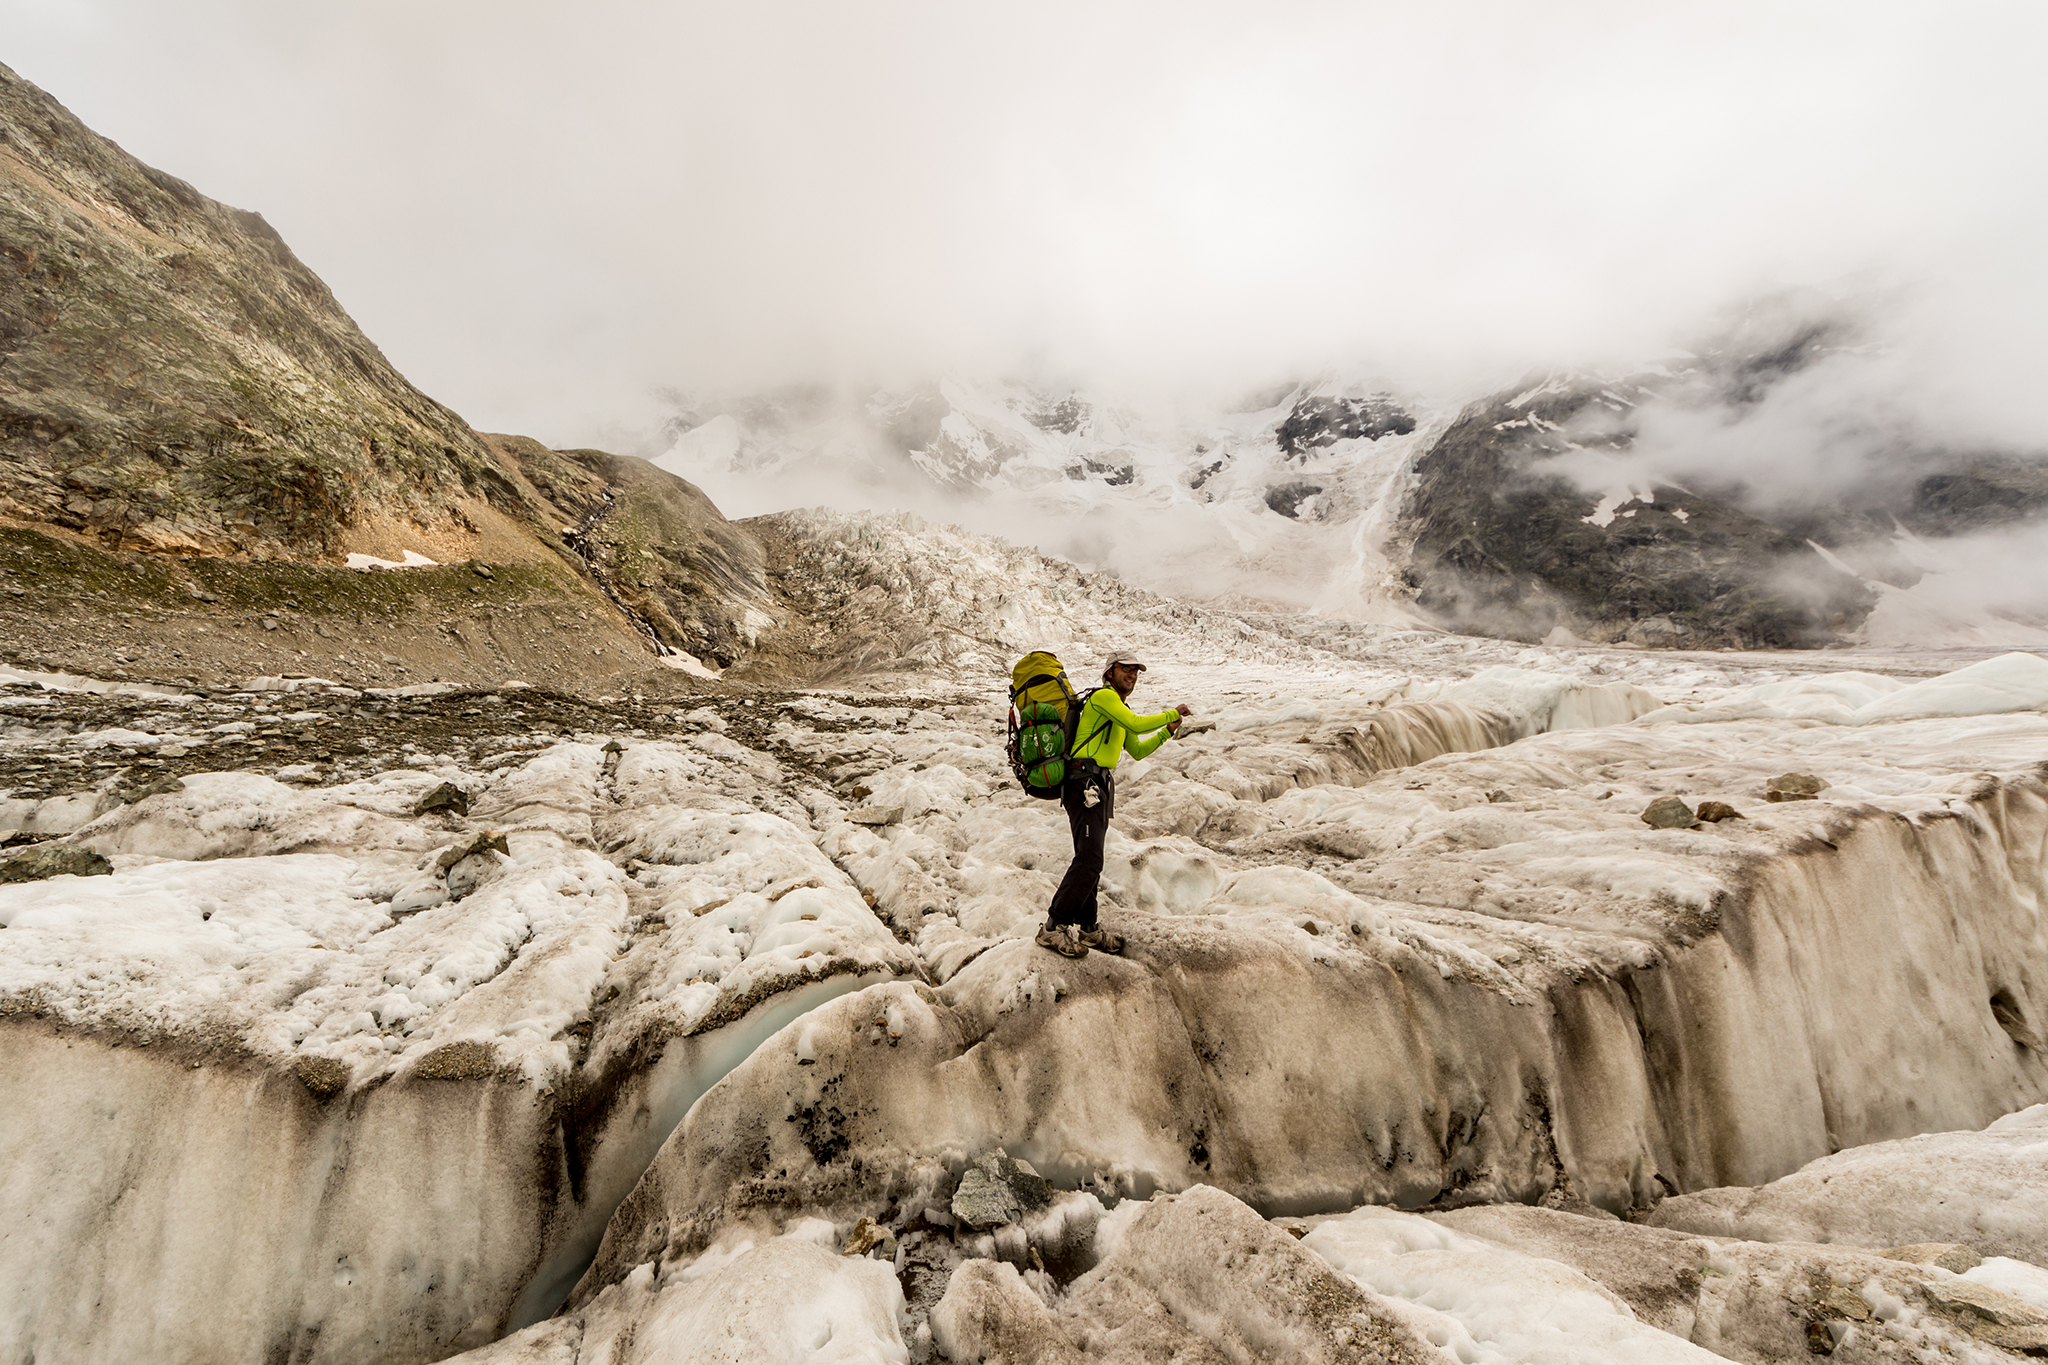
(1108,729)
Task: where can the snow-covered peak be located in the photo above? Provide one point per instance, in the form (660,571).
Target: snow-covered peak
(1283,499)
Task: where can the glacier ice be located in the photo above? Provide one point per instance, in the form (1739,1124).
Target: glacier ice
(1397,939)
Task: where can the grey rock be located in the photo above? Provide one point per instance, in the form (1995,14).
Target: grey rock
(876,815)
(2021,1339)
(1711,812)
(66,860)
(1668,812)
(446,797)
(1959,1295)
(142,791)
(1967,1298)
(1794,787)
(981,1201)
(1655,632)
(468,865)
(1502,543)
(483,841)
(997,1190)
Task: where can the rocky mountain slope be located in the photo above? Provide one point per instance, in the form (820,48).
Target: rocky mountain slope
(172,377)
(194,436)
(1536,512)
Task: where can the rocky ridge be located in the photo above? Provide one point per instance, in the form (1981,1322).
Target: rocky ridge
(188,417)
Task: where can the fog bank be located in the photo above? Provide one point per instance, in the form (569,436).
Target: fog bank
(544,213)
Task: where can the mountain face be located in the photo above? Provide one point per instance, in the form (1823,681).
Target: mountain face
(654,545)
(1502,543)
(172,377)
(175,382)
(1507,531)
(1537,512)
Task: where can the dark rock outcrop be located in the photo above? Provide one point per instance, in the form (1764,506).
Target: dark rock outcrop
(1506,542)
(1511,533)
(57,860)
(1318,420)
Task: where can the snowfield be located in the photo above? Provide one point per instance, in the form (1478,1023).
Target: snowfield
(650,1028)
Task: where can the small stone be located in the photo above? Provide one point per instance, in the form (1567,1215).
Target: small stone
(1030,1187)
(482,570)
(1953,1257)
(161,786)
(1794,787)
(862,793)
(483,841)
(998,1190)
(1668,812)
(866,1236)
(1712,812)
(1845,1303)
(270,623)
(67,860)
(446,797)
(876,815)
(982,1202)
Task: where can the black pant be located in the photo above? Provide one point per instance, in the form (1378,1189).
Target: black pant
(1074,902)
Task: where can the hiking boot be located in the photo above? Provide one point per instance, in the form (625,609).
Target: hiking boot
(1102,939)
(1063,939)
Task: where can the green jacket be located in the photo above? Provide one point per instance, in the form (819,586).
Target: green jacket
(1107,725)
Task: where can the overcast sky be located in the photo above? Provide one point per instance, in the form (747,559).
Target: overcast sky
(543,211)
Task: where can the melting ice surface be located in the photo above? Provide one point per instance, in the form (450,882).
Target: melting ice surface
(1399,940)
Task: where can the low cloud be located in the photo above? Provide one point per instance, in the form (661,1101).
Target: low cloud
(543,213)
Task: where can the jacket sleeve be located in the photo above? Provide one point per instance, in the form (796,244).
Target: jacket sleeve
(1135,725)
(1113,706)
(1138,748)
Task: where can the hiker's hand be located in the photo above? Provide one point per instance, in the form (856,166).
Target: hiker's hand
(1184,709)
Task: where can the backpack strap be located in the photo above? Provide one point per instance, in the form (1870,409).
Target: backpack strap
(1080,705)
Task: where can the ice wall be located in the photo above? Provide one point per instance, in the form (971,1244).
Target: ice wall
(1306,1051)
(315,1076)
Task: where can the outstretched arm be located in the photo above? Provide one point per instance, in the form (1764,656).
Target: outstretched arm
(1113,706)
